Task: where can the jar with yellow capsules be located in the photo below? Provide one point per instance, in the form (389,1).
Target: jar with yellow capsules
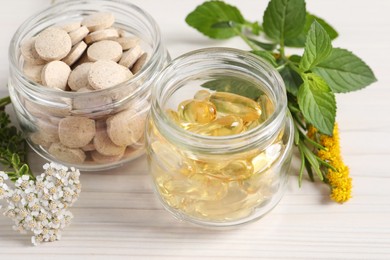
(219,137)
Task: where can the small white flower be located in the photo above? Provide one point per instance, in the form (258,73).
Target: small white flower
(3,177)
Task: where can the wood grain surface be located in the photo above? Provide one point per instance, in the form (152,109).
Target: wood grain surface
(118,216)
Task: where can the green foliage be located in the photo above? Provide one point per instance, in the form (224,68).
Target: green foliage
(300,40)
(284,19)
(267,56)
(317,103)
(344,71)
(216,19)
(318,47)
(12,146)
(311,80)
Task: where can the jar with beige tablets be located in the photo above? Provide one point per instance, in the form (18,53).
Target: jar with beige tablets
(80,78)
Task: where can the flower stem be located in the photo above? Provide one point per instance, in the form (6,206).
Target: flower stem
(4,102)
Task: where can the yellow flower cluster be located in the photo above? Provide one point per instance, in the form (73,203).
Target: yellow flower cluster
(339,180)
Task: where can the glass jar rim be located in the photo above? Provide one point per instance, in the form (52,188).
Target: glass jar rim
(259,136)
(59,7)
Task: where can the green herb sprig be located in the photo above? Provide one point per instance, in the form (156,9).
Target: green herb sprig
(311,80)
(12,146)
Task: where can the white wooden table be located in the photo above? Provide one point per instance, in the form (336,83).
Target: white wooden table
(118,216)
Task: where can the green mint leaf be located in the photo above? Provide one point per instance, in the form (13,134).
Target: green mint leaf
(256,28)
(318,47)
(264,45)
(224,24)
(295,58)
(333,34)
(284,19)
(300,40)
(344,71)
(209,17)
(235,86)
(266,56)
(292,80)
(317,103)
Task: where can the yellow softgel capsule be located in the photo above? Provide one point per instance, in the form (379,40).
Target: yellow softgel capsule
(173,115)
(236,170)
(267,107)
(195,111)
(232,104)
(202,95)
(227,125)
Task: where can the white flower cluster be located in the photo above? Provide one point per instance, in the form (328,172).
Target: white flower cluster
(41,205)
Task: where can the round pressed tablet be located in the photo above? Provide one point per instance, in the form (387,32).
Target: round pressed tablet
(128,42)
(101,158)
(126,127)
(29,53)
(33,72)
(70,27)
(48,130)
(131,56)
(98,21)
(66,154)
(35,109)
(81,60)
(76,131)
(104,145)
(106,34)
(78,78)
(132,152)
(139,63)
(40,139)
(105,50)
(53,44)
(55,74)
(78,35)
(89,147)
(104,74)
(92,103)
(121,32)
(75,53)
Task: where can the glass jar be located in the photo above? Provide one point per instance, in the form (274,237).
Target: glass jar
(219,180)
(40,109)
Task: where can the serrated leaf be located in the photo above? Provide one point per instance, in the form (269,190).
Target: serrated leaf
(291,79)
(284,19)
(267,56)
(212,13)
(264,45)
(233,85)
(344,71)
(317,48)
(317,103)
(300,40)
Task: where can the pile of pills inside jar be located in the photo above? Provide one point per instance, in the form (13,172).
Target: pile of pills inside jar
(86,56)
(216,187)
(89,54)
(220,113)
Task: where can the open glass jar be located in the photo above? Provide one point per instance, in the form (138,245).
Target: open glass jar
(219,180)
(40,109)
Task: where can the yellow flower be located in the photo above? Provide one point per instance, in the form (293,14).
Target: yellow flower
(338,179)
